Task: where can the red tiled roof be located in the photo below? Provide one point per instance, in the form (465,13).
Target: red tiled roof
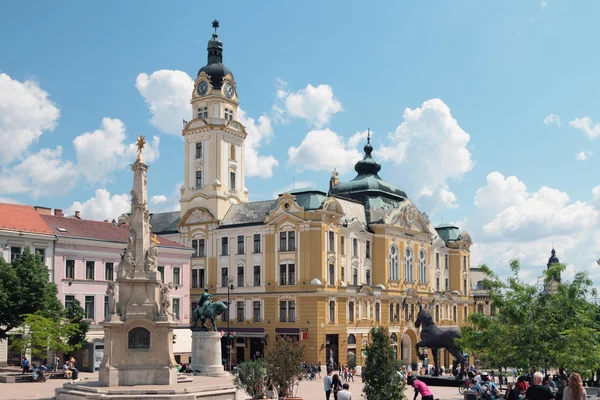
(97,230)
(22,218)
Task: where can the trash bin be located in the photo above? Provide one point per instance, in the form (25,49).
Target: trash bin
(470,395)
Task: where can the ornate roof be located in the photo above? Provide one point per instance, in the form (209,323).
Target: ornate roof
(250,213)
(214,67)
(165,223)
(553,259)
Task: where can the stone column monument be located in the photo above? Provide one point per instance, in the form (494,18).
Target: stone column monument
(138,332)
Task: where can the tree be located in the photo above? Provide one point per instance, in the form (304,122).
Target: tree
(284,360)
(25,289)
(351,361)
(382,381)
(75,314)
(249,377)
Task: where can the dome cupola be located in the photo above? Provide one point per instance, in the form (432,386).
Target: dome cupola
(553,259)
(214,67)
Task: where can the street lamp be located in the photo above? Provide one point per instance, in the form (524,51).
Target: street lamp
(230,281)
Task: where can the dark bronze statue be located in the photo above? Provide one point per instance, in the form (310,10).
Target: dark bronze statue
(206,309)
(435,338)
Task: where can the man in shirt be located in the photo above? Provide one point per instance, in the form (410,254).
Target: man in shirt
(344,394)
(537,391)
(487,390)
(420,388)
(327,384)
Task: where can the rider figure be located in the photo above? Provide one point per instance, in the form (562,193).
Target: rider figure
(201,307)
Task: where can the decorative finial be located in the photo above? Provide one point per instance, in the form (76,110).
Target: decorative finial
(141,143)
(154,240)
(215,24)
(368,135)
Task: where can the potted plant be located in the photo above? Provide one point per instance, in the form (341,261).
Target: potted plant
(250,377)
(284,360)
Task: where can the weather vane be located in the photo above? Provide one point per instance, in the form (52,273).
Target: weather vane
(215,24)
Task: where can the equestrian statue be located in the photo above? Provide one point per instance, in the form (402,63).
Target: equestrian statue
(435,338)
(206,309)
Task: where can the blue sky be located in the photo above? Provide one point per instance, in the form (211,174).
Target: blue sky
(498,68)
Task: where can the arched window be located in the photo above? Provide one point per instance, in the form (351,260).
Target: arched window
(394,338)
(422,266)
(232,152)
(408,264)
(351,339)
(394,272)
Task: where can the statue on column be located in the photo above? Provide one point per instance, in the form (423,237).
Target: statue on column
(165,299)
(111,292)
(151,263)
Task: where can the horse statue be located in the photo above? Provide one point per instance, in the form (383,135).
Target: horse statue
(206,309)
(435,338)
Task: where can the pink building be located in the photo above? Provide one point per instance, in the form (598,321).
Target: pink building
(86,258)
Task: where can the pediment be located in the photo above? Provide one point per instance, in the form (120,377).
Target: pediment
(408,217)
(285,205)
(331,205)
(198,215)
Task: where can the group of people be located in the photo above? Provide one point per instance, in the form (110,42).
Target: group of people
(546,388)
(334,385)
(311,371)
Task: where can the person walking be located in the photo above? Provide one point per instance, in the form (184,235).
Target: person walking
(336,385)
(319,369)
(537,391)
(344,394)
(25,365)
(327,384)
(420,388)
(575,390)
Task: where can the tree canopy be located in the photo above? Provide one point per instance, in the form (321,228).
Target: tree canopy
(382,381)
(552,325)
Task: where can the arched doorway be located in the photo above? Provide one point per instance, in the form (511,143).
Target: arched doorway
(406,350)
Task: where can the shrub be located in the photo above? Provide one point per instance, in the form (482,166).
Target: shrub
(284,360)
(250,376)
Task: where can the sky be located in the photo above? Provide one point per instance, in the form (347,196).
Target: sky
(485,112)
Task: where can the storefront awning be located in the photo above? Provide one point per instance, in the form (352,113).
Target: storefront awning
(287,331)
(245,332)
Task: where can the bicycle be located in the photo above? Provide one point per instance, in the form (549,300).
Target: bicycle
(465,386)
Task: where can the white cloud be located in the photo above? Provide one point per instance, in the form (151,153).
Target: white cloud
(596,194)
(102,206)
(586,126)
(103,151)
(583,155)
(552,119)
(167,94)
(324,150)
(316,105)
(258,134)
(543,5)
(428,149)
(25,113)
(162,203)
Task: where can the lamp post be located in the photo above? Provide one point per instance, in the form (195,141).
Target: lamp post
(230,281)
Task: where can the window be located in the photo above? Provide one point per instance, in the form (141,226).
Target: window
(224,277)
(198,278)
(257,243)
(70,269)
(161,270)
(176,309)
(89,270)
(465,263)
(42,253)
(391,312)
(232,152)
(332,274)
(203,112)
(240,311)
(355,276)
(257,275)
(437,313)
(291,241)
(480,308)
(465,314)
(194,278)
(394,273)
(201,278)
(368,277)
(437,284)
(225,315)
(465,287)
(282,241)
(343,244)
(89,307)
(228,118)
(354,247)
(224,246)
(232,180)
(351,339)
(240,276)
(408,264)
(256,311)
(351,311)
(291,311)
(201,248)
(69,299)
(15,252)
(240,244)
(437,260)
(446,261)
(177,275)
(422,266)
(332,311)
(105,306)
(343,273)
(377,311)
(454,314)
(331,241)
(198,179)
(368,249)
(447,284)
(199,150)
(282,311)
(291,274)
(282,274)
(195,247)
(109,271)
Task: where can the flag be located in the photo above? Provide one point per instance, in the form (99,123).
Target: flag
(404,303)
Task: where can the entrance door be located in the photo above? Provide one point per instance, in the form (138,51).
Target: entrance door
(257,348)
(332,350)
(239,358)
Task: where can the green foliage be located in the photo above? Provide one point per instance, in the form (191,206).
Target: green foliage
(250,378)
(284,360)
(25,289)
(75,314)
(382,381)
(351,360)
(555,326)
(42,334)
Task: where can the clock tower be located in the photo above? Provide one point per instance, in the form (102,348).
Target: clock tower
(214,140)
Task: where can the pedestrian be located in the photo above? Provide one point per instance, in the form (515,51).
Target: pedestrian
(575,390)
(537,391)
(327,384)
(344,394)
(56,363)
(487,390)
(319,369)
(511,394)
(25,365)
(336,385)
(352,373)
(420,388)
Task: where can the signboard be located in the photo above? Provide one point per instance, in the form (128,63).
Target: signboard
(98,355)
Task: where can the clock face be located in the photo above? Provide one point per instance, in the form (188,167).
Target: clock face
(229,90)
(202,88)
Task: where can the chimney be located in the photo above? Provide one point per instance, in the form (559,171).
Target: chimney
(58,212)
(77,215)
(43,210)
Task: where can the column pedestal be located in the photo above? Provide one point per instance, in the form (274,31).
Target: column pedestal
(206,354)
